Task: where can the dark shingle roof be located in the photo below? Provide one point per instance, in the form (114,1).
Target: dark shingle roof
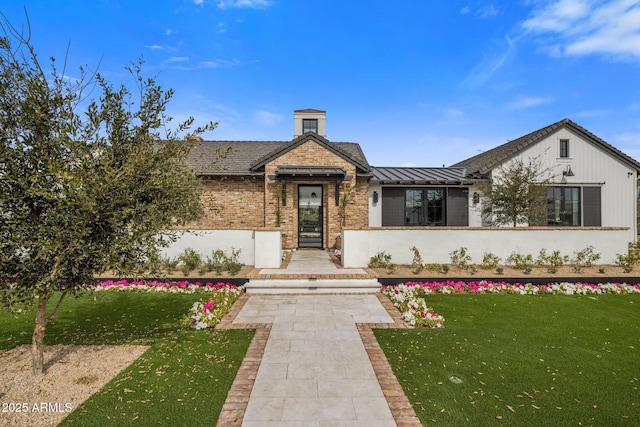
(247,157)
(482,163)
(406,175)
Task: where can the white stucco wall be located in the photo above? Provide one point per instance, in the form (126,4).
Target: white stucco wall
(435,244)
(207,241)
(375,209)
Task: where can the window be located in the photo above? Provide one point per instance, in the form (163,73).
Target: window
(424,206)
(309,125)
(563,206)
(564,148)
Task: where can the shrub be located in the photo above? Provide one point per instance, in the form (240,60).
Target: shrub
(417,265)
(631,258)
(521,261)
(220,261)
(460,258)
(169,264)
(231,263)
(190,260)
(584,258)
(489,261)
(553,261)
(382,260)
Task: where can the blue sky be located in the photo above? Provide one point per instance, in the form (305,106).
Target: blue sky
(415,82)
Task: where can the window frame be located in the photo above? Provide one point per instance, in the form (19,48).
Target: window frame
(425,209)
(563,211)
(563,151)
(314,122)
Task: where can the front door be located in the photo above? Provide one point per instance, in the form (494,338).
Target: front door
(310,216)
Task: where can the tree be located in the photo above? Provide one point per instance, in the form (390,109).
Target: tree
(516,193)
(82,193)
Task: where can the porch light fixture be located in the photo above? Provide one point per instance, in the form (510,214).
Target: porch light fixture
(567,172)
(375,197)
(476,198)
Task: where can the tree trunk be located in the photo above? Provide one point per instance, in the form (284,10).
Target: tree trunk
(37,342)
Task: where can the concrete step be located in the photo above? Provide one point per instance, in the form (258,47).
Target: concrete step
(319,286)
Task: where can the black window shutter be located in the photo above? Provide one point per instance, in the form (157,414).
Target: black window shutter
(457,206)
(392,206)
(592,206)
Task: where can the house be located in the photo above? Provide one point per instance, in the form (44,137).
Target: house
(309,192)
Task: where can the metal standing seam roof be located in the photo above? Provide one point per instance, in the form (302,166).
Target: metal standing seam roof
(411,175)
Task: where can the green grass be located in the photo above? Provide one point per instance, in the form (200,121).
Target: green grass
(182,379)
(523,360)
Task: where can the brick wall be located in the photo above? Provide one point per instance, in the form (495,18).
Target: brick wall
(233,202)
(313,154)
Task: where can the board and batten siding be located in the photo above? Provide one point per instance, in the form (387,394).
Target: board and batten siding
(592,168)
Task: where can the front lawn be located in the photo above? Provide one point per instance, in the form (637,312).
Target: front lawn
(522,360)
(185,375)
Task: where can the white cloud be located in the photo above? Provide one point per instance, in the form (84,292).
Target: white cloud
(253,4)
(583,27)
(454,112)
(487,11)
(522,102)
(154,47)
(465,10)
(178,58)
(267,118)
(168,32)
(490,64)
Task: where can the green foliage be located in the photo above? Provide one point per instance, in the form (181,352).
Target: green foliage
(231,263)
(551,261)
(220,261)
(83,189)
(584,258)
(489,261)
(417,264)
(630,259)
(460,258)
(169,264)
(190,259)
(382,260)
(516,193)
(523,262)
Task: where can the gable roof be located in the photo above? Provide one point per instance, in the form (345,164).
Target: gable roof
(411,175)
(242,158)
(483,163)
(357,160)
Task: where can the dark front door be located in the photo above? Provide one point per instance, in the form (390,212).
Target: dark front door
(310,216)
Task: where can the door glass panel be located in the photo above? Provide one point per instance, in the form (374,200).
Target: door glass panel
(310,216)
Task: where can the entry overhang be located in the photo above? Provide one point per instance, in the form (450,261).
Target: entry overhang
(311,173)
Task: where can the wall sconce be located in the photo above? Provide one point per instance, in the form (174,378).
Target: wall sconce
(476,198)
(567,172)
(375,197)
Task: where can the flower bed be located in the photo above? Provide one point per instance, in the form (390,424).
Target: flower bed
(407,296)
(182,287)
(203,314)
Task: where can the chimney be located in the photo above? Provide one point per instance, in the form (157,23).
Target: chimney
(309,120)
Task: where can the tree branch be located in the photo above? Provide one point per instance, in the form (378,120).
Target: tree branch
(55,310)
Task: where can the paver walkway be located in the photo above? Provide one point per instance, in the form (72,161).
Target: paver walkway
(315,370)
(311,261)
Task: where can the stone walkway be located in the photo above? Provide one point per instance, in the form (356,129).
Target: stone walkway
(315,362)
